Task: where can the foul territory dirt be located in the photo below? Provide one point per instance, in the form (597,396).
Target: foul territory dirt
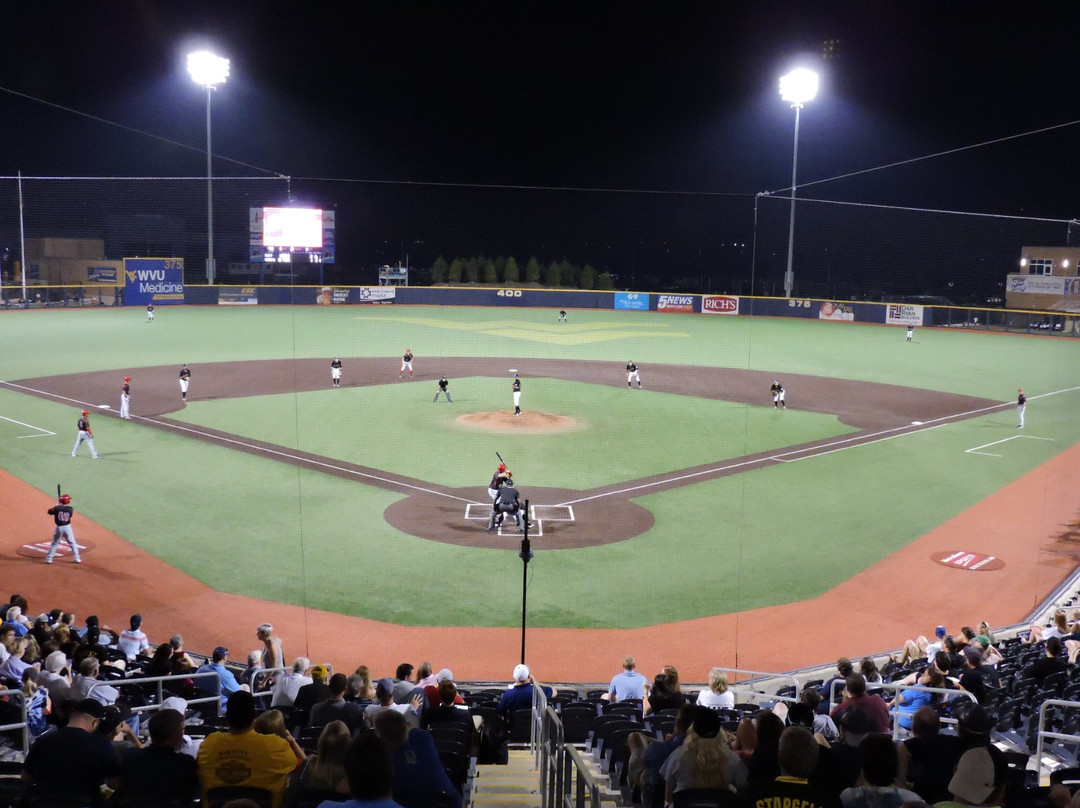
(1032,525)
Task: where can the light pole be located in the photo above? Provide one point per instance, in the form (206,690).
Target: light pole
(797,87)
(208,71)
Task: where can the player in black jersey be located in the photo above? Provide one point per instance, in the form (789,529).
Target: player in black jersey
(185,379)
(444,387)
(335,372)
(777,391)
(61,514)
(406,364)
(632,374)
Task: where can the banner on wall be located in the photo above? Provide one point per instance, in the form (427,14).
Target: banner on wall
(238,296)
(634,301)
(153,280)
(900,314)
(676,303)
(836,311)
(1043,284)
(719,304)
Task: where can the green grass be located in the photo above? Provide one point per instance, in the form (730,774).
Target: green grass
(254,526)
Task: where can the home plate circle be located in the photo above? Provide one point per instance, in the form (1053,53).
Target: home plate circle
(963,560)
(40,549)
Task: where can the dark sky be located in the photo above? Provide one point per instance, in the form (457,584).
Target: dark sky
(644,95)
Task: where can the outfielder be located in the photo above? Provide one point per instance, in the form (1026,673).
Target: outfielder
(517,395)
(499,479)
(632,374)
(778,394)
(84,435)
(444,387)
(335,372)
(562,316)
(506,503)
(125,399)
(150,313)
(1021,405)
(185,379)
(910,332)
(61,515)
(406,364)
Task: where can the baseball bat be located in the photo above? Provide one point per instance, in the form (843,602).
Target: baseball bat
(500,457)
(58,491)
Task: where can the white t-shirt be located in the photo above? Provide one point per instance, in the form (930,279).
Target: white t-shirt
(716,701)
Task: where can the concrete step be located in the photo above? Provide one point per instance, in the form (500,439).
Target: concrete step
(515,785)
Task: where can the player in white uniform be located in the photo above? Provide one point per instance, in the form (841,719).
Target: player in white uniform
(335,372)
(125,399)
(406,364)
(1021,405)
(150,313)
(778,395)
(517,395)
(632,374)
(185,380)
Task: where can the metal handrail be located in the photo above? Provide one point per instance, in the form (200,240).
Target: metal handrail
(215,691)
(896,687)
(552,750)
(1060,736)
(748,684)
(23,725)
(578,781)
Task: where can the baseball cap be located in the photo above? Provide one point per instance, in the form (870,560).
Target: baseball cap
(384,688)
(221,652)
(43,618)
(90,707)
(856,723)
(445,675)
(127,378)
(940,631)
(521,673)
(319,671)
(174,703)
(976,774)
(974,655)
(706,722)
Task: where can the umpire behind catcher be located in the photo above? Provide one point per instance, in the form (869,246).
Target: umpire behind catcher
(507,503)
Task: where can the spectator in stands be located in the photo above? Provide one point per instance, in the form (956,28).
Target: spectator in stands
(798,757)
(288,685)
(370,774)
(42,631)
(133,642)
(254,665)
(367,689)
(336,708)
(973,724)
(973,679)
(823,724)
(627,684)
(19,623)
(1050,664)
(272,722)
(704,760)
(762,764)
(910,701)
(648,755)
(913,651)
(325,770)
(520,694)
(12,668)
(273,656)
(838,763)
(985,631)
(431,692)
(855,695)
(310,694)
(216,664)
(869,669)
(980,778)
(939,642)
(450,712)
(424,675)
(361,690)
(663,695)
(384,696)
(56,678)
(419,777)
(159,774)
(243,757)
(878,765)
(844,669)
(1059,628)
(179,660)
(928,758)
(717,696)
(403,683)
(160,663)
(37,702)
(70,764)
(86,685)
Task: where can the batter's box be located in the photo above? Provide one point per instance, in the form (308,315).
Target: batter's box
(553,513)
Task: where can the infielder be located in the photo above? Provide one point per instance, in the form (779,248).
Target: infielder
(185,379)
(506,503)
(125,399)
(335,372)
(444,387)
(61,515)
(406,364)
(632,374)
(84,435)
(1021,405)
(517,395)
(499,479)
(150,313)
(778,394)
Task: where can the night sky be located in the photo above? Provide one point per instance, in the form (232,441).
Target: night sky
(672,96)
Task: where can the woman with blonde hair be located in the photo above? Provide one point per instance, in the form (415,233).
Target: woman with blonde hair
(325,770)
(272,722)
(38,704)
(1060,629)
(717,697)
(705,759)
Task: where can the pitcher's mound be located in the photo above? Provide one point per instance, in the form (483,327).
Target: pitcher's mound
(506,421)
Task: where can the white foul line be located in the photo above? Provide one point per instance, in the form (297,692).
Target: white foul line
(44,432)
(1003,440)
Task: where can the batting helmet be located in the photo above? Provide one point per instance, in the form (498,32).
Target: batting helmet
(502,467)
(65,499)
(127,378)
(86,412)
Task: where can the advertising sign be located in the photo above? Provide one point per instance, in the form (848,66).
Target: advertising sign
(719,304)
(901,314)
(835,311)
(1040,284)
(635,301)
(101,274)
(676,303)
(238,296)
(153,280)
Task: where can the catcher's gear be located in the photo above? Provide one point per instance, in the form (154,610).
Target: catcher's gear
(65,499)
(509,483)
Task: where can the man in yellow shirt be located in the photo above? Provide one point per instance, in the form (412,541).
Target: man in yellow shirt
(243,757)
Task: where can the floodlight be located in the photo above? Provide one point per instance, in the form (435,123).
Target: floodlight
(798,86)
(206,69)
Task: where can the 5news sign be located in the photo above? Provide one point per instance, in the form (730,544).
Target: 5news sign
(676,303)
(719,304)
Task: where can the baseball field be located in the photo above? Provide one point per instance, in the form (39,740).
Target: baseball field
(689,522)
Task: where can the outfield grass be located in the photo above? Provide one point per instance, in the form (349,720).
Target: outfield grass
(250,525)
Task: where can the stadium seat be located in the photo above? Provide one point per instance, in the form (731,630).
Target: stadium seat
(218,797)
(705,798)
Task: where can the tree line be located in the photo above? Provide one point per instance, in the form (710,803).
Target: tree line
(478,269)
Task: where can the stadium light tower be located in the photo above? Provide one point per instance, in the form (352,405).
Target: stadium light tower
(208,71)
(797,87)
